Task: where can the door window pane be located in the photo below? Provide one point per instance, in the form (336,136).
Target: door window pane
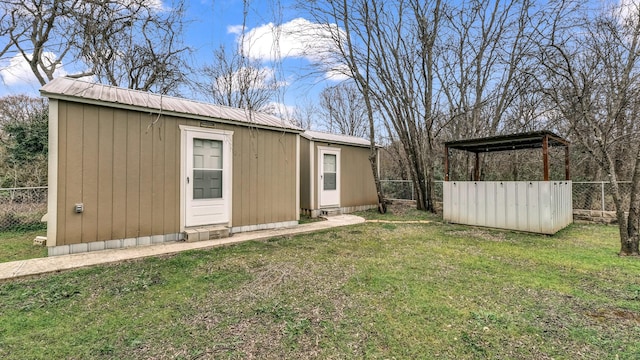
(207,184)
(329,163)
(329,172)
(207,169)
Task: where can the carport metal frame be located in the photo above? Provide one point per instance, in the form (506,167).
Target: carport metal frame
(529,140)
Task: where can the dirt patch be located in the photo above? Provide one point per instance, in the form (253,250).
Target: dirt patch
(401,208)
(615,315)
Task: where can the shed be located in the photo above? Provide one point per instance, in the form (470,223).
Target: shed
(335,174)
(534,206)
(130,168)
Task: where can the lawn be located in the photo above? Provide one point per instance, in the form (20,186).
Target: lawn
(373,290)
(18,245)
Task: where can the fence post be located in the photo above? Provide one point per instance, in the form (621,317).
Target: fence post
(602,194)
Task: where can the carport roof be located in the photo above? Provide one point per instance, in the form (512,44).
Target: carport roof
(528,140)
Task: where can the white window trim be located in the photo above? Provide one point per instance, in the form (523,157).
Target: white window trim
(320,172)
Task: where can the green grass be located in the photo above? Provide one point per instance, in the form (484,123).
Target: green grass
(367,291)
(18,245)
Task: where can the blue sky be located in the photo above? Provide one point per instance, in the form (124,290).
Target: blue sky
(211,23)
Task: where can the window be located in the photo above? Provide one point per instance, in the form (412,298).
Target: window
(207,169)
(329,172)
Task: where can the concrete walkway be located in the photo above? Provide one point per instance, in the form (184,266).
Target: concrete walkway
(33,267)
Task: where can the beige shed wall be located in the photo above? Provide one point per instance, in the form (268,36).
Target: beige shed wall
(127,174)
(357,186)
(305,178)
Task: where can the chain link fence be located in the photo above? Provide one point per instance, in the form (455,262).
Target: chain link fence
(22,208)
(587,195)
(598,195)
(403,189)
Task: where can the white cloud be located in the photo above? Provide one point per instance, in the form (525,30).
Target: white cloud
(235,29)
(628,10)
(298,38)
(17,71)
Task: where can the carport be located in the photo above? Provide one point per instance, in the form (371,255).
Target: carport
(533,206)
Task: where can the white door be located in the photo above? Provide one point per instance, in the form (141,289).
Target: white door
(207,181)
(329,171)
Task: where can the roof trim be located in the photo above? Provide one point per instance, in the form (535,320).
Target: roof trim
(122,98)
(339,139)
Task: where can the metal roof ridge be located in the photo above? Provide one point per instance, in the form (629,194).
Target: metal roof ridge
(125,96)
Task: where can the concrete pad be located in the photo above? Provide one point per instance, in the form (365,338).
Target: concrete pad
(33,267)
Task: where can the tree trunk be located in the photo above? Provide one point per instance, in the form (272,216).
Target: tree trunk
(630,245)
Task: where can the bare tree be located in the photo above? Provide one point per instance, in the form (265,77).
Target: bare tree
(388,48)
(593,79)
(234,80)
(133,44)
(486,71)
(344,110)
(36,32)
(304,114)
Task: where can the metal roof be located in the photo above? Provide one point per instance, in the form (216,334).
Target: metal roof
(78,90)
(335,138)
(528,140)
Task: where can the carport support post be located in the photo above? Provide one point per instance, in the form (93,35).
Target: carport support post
(545,156)
(567,172)
(476,168)
(446,163)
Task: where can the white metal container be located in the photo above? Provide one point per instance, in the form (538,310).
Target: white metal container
(534,206)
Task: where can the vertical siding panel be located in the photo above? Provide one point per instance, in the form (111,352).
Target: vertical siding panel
(292,209)
(269,194)
(305,182)
(105,174)
(347,167)
(246,173)
(62,209)
(345,178)
(133,174)
(253,176)
(316,176)
(74,173)
(146,174)
(288,193)
(280,178)
(262,182)
(276,175)
(171,177)
(119,169)
(90,174)
(179,163)
(237,178)
(158,138)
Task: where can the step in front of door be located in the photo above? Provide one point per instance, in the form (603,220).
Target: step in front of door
(330,212)
(206,233)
